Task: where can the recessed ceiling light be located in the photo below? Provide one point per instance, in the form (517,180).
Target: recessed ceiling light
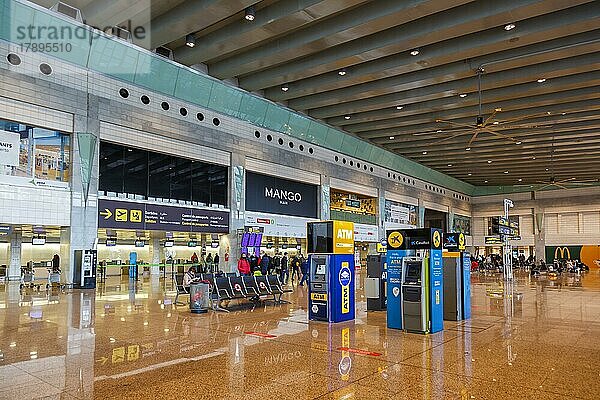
(533,157)
(563,113)
(518,142)
(438,131)
(489,161)
(342,72)
(509,27)
(399,107)
(415,52)
(520,179)
(506,172)
(449,165)
(462,95)
(468,149)
(541,80)
(469,174)
(546,169)
(392,137)
(496,122)
(485,181)
(424,153)
(548,112)
(190,40)
(285,88)
(250,13)
(346,117)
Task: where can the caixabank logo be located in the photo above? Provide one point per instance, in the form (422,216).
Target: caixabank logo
(345,277)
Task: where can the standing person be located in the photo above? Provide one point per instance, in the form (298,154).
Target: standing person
(265,262)
(285,273)
(194,258)
(295,266)
(56,264)
(277,264)
(216,262)
(244,265)
(253,260)
(305,272)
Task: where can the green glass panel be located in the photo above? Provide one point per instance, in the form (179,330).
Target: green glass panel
(16,17)
(253,110)
(333,140)
(63,32)
(156,73)
(276,118)
(113,58)
(298,126)
(317,133)
(225,99)
(193,87)
(350,145)
(87,150)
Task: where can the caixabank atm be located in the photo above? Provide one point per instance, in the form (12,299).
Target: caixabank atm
(415,289)
(331,259)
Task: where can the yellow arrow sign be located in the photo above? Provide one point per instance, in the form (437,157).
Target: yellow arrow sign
(103,360)
(106,213)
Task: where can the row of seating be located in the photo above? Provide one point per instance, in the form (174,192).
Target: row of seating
(233,287)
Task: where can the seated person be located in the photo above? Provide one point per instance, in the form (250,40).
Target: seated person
(189,277)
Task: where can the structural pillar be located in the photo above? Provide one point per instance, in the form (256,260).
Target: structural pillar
(421,209)
(325,198)
(155,251)
(230,246)
(539,234)
(14,265)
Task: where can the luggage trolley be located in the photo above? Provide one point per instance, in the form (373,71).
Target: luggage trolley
(28,279)
(53,279)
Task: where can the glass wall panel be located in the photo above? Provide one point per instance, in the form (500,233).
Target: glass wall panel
(160,169)
(135,172)
(111,168)
(181,179)
(43,153)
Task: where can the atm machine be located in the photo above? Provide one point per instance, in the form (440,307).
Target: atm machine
(457,278)
(331,260)
(415,280)
(375,284)
(86,262)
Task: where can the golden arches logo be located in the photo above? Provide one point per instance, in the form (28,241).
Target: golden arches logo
(562,250)
(437,240)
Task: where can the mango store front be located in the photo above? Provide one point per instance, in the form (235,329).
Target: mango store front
(277,211)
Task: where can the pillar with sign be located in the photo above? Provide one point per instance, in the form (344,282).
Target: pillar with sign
(415,280)
(331,260)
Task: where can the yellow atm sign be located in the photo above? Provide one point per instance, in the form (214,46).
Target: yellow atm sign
(343,237)
(318,296)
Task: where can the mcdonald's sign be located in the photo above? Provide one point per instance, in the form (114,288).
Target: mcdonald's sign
(561,252)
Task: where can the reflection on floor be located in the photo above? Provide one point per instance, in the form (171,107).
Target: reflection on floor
(538,339)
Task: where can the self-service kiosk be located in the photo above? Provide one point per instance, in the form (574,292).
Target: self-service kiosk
(375,284)
(415,280)
(457,278)
(331,260)
(84,275)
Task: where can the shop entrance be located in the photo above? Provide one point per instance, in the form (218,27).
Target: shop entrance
(436,219)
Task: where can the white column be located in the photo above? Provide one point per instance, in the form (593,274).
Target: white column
(14,267)
(155,251)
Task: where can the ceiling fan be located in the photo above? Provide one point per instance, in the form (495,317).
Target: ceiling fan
(561,183)
(484,125)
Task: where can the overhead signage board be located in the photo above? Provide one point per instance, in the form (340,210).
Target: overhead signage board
(277,225)
(114,214)
(9,148)
(366,233)
(5,230)
(493,240)
(454,241)
(281,196)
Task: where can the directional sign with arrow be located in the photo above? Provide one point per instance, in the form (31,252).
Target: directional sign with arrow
(106,213)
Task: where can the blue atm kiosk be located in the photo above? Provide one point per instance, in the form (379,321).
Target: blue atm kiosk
(331,260)
(415,289)
(457,278)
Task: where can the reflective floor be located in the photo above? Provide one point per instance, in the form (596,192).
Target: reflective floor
(539,339)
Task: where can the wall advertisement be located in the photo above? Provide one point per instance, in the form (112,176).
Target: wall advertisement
(273,195)
(278,225)
(366,233)
(9,148)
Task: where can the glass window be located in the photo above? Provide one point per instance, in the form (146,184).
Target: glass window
(111,168)
(135,172)
(160,169)
(43,153)
(201,183)
(181,179)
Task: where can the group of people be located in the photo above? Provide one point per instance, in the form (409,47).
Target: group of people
(209,260)
(287,268)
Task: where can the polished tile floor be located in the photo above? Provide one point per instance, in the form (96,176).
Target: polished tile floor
(537,339)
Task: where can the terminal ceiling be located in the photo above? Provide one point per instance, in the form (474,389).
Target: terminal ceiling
(397,72)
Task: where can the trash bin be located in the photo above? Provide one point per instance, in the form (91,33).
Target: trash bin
(199,297)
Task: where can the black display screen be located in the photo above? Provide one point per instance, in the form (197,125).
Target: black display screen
(320,237)
(413,271)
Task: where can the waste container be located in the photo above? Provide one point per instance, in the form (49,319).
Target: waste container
(199,297)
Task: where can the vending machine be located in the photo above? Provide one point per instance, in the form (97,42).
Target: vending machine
(331,260)
(457,278)
(84,276)
(415,280)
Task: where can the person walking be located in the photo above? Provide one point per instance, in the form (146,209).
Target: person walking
(243,265)
(285,273)
(265,262)
(305,272)
(295,267)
